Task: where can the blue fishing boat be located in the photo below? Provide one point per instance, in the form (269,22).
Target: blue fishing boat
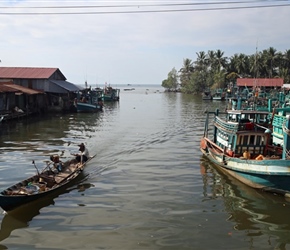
(219,95)
(111,94)
(89,100)
(250,145)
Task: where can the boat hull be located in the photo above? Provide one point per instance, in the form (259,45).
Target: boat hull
(86,107)
(9,203)
(17,195)
(268,174)
(111,94)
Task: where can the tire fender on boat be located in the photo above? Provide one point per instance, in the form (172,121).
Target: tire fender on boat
(203,143)
(230,152)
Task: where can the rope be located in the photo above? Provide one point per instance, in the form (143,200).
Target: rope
(287,153)
(285,129)
(287,132)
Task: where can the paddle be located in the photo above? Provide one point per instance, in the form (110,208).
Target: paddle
(36,168)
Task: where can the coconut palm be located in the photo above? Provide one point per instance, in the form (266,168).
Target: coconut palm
(201,61)
(220,60)
(186,71)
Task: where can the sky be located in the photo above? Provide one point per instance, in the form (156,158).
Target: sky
(134,42)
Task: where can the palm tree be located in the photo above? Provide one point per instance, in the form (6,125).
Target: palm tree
(220,60)
(269,61)
(186,71)
(211,58)
(285,60)
(201,61)
(239,64)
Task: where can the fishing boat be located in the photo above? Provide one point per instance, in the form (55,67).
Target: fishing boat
(251,145)
(219,95)
(206,95)
(42,184)
(111,94)
(89,100)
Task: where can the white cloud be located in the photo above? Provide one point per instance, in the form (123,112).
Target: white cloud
(134,48)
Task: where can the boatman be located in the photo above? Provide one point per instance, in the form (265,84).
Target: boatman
(83,155)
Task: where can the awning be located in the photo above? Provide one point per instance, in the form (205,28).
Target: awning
(286,86)
(66,85)
(22,89)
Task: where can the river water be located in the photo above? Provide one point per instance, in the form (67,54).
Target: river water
(148,187)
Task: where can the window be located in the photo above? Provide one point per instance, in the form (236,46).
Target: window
(252,139)
(245,140)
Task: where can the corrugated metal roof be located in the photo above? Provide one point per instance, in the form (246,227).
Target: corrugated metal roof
(260,82)
(5,89)
(9,87)
(66,85)
(27,72)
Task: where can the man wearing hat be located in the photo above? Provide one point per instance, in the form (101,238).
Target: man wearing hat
(83,155)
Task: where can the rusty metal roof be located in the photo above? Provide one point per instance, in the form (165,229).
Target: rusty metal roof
(10,87)
(260,82)
(27,72)
(5,89)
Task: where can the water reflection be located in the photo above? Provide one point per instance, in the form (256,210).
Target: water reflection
(252,211)
(20,217)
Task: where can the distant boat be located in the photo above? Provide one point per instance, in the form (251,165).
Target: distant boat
(89,100)
(111,94)
(219,95)
(206,95)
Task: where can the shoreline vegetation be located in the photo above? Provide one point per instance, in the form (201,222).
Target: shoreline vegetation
(213,70)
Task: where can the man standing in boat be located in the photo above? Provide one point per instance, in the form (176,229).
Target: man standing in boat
(84,155)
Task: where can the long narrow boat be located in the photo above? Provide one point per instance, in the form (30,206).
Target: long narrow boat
(41,184)
(252,146)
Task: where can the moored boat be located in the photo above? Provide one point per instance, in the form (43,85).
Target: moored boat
(241,143)
(41,185)
(219,95)
(111,94)
(89,101)
(206,95)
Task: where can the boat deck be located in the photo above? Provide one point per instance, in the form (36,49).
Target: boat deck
(68,171)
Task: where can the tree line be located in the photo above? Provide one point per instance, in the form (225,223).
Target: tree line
(214,70)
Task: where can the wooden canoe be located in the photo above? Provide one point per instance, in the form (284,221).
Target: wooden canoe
(40,185)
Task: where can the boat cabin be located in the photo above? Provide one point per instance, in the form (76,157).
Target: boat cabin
(243,131)
(247,116)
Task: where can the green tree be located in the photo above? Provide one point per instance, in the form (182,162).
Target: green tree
(214,69)
(171,83)
(185,72)
(201,62)
(220,60)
